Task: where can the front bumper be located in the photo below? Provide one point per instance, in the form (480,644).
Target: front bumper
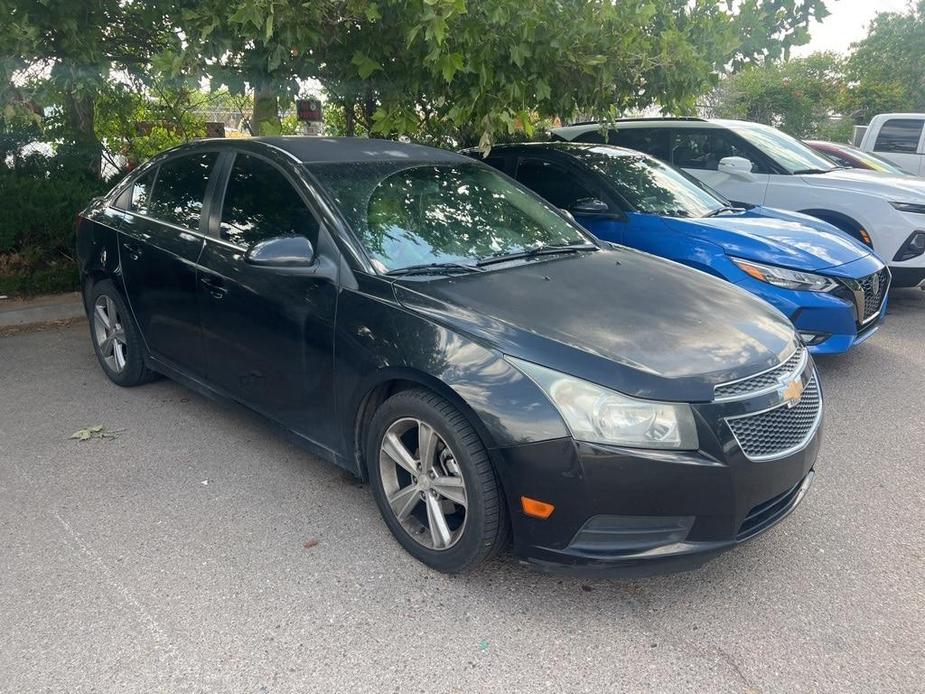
(828,314)
(699,503)
(904,276)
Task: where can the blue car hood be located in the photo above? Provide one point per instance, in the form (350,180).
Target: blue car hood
(775,237)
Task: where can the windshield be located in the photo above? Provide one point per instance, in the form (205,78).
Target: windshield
(412,215)
(874,162)
(786,151)
(650,186)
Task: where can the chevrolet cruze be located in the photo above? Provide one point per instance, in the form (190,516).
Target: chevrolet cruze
(424,322)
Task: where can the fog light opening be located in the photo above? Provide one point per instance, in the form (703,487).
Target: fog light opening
(811,339)
(912,248)
(536,508)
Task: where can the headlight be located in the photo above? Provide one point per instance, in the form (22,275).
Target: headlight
(913,207)
(788,279)
(598,415)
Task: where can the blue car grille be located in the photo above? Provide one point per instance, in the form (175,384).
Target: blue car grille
(782,430)
(763,381)
(875,287)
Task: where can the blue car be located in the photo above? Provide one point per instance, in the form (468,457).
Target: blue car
(832,287)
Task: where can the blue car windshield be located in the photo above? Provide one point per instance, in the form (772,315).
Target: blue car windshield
(409,215)
(648,185)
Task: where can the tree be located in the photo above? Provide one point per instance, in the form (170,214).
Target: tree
(885,70)
(77,45)
(264,45)
(799,96)
(472,71)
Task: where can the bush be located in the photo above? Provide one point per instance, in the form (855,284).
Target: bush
(40,197)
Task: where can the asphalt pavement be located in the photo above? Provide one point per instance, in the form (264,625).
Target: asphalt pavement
(199,550)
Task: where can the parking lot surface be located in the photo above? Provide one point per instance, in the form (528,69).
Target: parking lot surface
(200,550)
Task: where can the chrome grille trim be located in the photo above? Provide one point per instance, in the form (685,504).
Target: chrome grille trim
(764,381)
(869,295)
(781,430)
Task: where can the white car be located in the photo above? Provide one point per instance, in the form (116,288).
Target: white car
(754,164)
(900,138)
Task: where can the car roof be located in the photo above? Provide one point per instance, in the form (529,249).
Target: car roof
(311,150)
(559,147)
(318,150)
(570,131)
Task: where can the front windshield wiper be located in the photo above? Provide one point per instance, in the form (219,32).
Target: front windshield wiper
(550,249)
(801,172)
(721,210)
(433,269)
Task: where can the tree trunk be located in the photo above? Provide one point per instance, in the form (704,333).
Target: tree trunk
(266,110)
(350,122)
(79,117)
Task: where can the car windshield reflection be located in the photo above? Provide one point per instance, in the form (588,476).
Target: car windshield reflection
(445,216)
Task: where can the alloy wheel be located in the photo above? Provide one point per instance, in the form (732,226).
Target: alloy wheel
(109,333)
(423,483)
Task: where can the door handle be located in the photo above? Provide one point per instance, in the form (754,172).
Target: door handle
(134,251)
(214,286)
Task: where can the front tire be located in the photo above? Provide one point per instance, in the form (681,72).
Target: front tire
(116,340)
(434,483)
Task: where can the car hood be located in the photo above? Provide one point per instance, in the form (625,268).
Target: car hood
(620,318)
(901,188)
(776,237)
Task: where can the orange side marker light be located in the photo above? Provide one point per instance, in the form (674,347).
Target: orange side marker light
(535,508)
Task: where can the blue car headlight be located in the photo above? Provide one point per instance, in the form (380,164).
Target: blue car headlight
(786,278)
(599,415)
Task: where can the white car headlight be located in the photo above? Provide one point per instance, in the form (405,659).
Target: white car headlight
(599,415)
(787,279)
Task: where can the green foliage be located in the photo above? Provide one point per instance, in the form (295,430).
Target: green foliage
(136,125)
(471,72)
(41,197)
(800,96)
(886,69)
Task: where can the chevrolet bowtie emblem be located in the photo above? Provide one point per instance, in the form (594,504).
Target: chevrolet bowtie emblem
(792,392)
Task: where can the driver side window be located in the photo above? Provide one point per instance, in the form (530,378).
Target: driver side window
(260,204)
(553,182)
(703,150)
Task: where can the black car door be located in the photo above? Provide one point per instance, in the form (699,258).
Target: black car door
(269,332)
(160,244)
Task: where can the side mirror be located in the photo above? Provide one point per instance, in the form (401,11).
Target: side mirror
(735,166)
(281,251)
(590,206)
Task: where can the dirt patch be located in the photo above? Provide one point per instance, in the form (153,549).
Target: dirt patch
(9,330)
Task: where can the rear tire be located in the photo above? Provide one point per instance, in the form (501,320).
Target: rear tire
(434,483)
(115,337)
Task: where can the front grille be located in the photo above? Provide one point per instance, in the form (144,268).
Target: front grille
(782,430)
(769,512)
(874,287)
(763,381)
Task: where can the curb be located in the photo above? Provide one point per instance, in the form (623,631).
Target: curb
(40,310)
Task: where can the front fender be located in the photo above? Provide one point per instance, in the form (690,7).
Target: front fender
(379,342)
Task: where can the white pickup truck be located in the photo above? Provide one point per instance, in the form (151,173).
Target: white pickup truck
(899,137)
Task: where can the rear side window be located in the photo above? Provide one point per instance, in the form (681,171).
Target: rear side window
(180,189)
(260,204)
(552,182)
(900,135)
(651,141)
(141,191)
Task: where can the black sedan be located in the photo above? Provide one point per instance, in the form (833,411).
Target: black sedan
(426,323)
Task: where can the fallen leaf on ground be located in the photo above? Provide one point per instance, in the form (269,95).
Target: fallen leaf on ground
(311,542)
(97,431)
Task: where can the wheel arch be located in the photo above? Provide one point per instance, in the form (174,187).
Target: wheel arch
(390,381)
(843,222)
